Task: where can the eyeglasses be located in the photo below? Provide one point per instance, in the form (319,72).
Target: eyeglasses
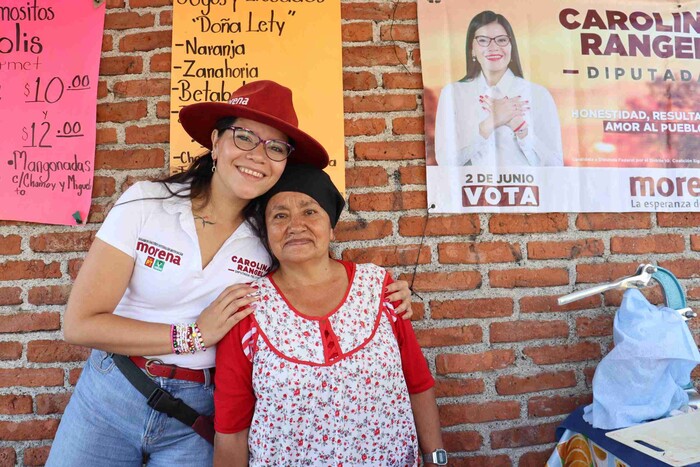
(485,41)
(247,140)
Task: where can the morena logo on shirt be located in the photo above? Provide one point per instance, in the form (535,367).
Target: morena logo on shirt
(157,257)
(248,266)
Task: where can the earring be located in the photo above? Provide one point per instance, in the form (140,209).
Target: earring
(213,167)
(473,58)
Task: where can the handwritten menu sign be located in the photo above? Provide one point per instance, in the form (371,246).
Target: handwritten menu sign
(218,45)
(49,61)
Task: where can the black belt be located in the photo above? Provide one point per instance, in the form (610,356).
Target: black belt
(161,400)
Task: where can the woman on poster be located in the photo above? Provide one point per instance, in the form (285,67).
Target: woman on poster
(493,116)
(166,278)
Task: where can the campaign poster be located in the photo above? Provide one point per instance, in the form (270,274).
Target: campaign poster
(219,46)
(551,106)
(49,64)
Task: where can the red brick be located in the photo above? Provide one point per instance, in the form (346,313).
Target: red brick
(142,87)
(547,355)
(62,242)
(74,267)
(378,11)
(379,103)
(51,403)
(683,268)
(103,186)
(441,281)
(32,269)
(464,224)
(73,375)
(347,231)
(15,404)
(364,126)
(8,457)
(121,111)
(534,458)
(501,460)
(455,387)
(467,363)
(398,255)
(107,43)
(418,311)
(387,201)
(365,176)
(121,65)
(524,330)
(10,245)
(474,308)
(390,151)
(548,406)
(456,441)
(402,80)
(49,295)
(528,223)
(599,326)
(399,32)
(613,221)
(407,126)
(47,351)
(128,20)
(148,134)
(32,429)
(102,90)
(440,337)
(415,56)
(695,242)
(548,303)
(165,18)
(664,243)
(603,272)
(356,32)
(509,385)
(130,159)
(374,55)
(145,41)
(359,81)
(588,373)
(148,3)
(545,277)
(31,377)
(412,175)
(161,62)
(105,136)
(457,414)
(10,350)
(28,322)
(567,250)
(678,219)
(36,456)
(523,436)
(9,296)
(478,252)
(163,109)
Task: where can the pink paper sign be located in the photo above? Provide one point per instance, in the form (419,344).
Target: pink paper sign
(49,63)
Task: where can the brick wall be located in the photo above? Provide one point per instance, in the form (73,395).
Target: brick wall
(509,362)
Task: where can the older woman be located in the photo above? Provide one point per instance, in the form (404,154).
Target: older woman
(493,116)
(323,372)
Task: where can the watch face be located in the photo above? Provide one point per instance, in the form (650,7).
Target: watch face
(441,456)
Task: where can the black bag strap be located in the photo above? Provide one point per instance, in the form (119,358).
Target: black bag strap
(161,400)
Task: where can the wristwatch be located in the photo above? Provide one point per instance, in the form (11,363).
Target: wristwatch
(437,457)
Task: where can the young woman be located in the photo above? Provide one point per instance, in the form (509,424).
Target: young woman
(323,373)
(166,279)
(493,116)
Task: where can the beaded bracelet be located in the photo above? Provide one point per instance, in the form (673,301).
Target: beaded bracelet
(199,340)
(186,338)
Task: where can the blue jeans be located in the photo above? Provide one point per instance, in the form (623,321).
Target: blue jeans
(108,423)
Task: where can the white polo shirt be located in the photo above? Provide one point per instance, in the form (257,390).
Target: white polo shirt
(168,284)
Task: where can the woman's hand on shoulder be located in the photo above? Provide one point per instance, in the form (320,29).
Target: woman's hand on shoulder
(399,291)
(228,309)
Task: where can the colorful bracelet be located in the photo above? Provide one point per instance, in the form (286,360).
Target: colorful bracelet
(519,127)
(198,339)
(186,338)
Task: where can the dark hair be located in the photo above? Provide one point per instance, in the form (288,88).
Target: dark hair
(255,213)
(480,20)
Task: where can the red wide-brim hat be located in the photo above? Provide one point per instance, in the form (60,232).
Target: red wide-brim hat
(265,102)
